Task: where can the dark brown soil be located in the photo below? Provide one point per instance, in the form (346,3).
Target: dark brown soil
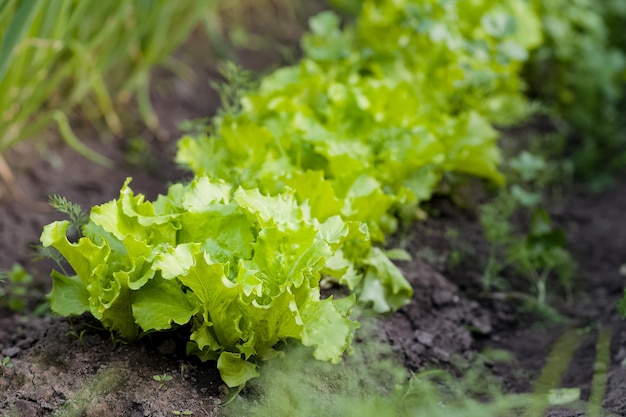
(596,232)
(60,370)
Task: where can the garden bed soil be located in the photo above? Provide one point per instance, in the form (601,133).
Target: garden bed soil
(64,368)
(596,234)
(59,370)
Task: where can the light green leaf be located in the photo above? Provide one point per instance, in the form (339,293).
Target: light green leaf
(311,187)
(333,231)
(342,270)
(161,302)
(139,256)
(266,322)
(248,276)
(234,370)
(525,198)
(68,297)
(203,277)
(327,328)
(324,23)
(176,261)
(222,230)
(204,343)
(220,299)
(130,215)
(398,255)
(84,257)
(281,211)
(384,286)
(113,307)
(286,258)
(204,192)
(528,165)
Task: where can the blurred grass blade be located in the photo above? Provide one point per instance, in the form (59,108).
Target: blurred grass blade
(145,106)
(58,56)
(19,25)
(553,371)
(600,372)
(73,142)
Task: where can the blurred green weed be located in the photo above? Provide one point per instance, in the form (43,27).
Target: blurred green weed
(579,72)
(537,253)
(14,285)
(260,25)
(372,382)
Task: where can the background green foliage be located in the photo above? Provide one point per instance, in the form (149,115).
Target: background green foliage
(268,26)
(579,72)
(538,251)
(14,288)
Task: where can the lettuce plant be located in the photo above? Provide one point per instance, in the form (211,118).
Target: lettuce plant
(240,269)
(377,112)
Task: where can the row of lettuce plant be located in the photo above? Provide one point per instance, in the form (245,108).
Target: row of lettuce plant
(299,182)
(366,124)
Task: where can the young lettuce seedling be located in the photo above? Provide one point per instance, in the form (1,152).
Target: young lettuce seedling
(537,253)
(5,365)
(162,379)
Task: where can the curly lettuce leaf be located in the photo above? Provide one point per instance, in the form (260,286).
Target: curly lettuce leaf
(384,286)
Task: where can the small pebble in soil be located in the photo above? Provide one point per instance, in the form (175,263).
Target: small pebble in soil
(11,351)
(424,338)
(444,297)
(441,354)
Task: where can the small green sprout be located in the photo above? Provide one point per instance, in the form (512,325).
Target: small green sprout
(182,413)
(78,335)
(5,365)
(185,368)
(162,379)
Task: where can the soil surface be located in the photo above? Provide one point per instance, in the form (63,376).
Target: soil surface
(596,234)
(64,368)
